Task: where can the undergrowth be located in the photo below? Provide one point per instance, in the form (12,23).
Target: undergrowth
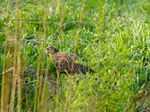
(110,36)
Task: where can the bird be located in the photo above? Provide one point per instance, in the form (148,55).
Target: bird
(66,62)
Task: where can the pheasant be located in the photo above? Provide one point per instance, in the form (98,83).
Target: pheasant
(65,62)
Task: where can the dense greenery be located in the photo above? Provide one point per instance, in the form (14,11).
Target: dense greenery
(111,36)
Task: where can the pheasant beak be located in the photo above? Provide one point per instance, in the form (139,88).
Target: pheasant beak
(47,51)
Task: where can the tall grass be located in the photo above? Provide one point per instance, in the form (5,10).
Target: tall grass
(109,36)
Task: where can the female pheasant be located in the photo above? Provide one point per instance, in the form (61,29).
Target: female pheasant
(65,62)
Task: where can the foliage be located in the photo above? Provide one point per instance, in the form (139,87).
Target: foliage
(114,41)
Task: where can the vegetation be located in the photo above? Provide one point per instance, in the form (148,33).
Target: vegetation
(110,36)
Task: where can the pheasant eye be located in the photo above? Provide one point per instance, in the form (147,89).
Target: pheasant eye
(47,49)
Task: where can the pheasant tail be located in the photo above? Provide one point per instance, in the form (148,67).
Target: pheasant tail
(79,68)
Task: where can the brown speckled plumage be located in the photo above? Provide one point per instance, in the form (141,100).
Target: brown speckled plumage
(65,62)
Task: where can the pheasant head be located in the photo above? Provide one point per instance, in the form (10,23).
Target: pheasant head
(51,50)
